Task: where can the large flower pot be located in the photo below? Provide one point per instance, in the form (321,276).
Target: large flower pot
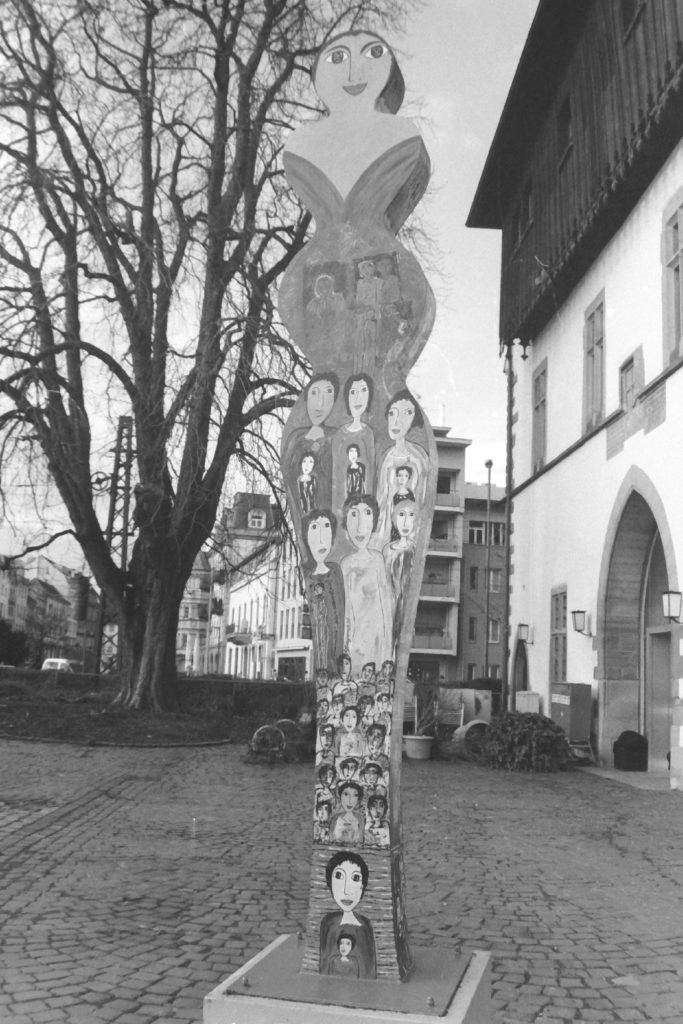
(418,747)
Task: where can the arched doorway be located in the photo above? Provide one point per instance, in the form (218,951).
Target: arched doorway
(636,638)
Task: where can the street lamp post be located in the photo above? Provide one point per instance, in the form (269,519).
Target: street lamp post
(487,579)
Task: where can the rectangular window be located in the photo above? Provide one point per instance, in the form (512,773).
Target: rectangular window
(497,534)
(472,629)
(539,416)
(673,246)
(627,385)
(594,364)
(558,637)
(471,672)
(495,581)
(494,631)
(474,577)
(476,533)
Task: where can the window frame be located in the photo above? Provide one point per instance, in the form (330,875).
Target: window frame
(539,418)
(672,277)
(558,635)
(594,363)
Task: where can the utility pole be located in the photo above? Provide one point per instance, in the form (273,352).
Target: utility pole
(487,579)
(118,529)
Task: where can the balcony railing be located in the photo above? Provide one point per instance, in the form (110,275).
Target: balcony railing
(449,498)
(449,544)
(433,640)
(438,588)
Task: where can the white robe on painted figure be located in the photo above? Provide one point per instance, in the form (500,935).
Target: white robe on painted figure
(368,604)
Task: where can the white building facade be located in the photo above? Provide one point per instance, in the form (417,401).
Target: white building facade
(593,288)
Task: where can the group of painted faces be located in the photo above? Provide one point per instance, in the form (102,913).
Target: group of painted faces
(352,758)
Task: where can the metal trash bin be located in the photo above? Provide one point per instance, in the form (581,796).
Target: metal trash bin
(630,752)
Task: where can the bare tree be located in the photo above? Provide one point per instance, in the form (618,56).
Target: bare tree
(144,222)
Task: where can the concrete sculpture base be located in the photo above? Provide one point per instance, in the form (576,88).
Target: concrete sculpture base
(270,990)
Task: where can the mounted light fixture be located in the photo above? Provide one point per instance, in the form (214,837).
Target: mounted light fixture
(524,633)
(671,602)
(581,621)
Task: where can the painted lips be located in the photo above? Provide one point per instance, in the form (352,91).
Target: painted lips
(355,90)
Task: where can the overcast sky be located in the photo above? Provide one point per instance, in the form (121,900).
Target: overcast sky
(459,57)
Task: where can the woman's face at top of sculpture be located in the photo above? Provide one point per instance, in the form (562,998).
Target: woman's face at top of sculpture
(354,68)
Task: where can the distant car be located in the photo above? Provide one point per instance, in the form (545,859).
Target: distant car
(56,665)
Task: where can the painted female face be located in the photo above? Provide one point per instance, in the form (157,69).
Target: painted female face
(359,525)
(352,72)
(359,396)
(319,538)
(319,401)
(404,518)
(307,464)
(345,946)
(349,719)
(400,418)
(345,667)
(347,885)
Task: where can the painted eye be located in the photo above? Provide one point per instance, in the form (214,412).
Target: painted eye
(336,57)
(375,51)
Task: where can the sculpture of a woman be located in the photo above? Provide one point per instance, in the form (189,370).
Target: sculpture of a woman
(357,303)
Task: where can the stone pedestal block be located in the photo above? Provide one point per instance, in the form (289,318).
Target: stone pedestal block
(269,989)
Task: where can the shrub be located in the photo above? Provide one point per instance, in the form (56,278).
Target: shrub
(523,741)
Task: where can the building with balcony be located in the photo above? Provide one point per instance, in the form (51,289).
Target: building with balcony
(436,638)
(585,180)
(483,584)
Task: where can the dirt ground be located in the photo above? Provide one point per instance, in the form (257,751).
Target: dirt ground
(83,715)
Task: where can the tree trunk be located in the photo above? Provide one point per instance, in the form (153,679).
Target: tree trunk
(148,646)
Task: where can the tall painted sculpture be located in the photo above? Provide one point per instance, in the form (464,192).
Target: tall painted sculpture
(359,463)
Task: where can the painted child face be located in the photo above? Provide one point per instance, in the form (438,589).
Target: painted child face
(359,396)
(353,456)
(345,946)
(367,673)
(326,739)
(359,524)
(372,776)
(400,418)
(403,477)
(319,537)
(375,742)
(307,464)
(345,667)
(347,885)
(349,798)
(348,771)
(319,401)
(338,703)
(378,810)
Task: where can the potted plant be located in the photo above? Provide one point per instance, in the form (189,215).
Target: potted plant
(418,744)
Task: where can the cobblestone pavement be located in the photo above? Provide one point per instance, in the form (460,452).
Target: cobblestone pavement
(133,881)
